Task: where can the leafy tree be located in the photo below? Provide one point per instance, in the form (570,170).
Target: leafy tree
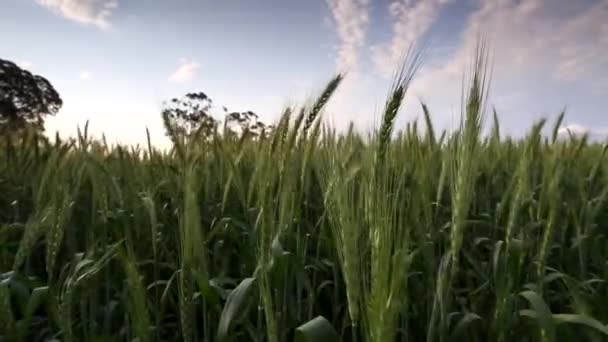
(25,99)
(188,116)
(191,117)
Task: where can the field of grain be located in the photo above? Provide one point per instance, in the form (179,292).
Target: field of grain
(308,234)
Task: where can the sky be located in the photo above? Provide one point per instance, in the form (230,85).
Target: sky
(115,62)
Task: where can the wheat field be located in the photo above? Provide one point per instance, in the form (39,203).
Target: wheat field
(309,234)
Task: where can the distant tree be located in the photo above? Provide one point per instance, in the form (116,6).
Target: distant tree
(246,123)
(190,116)
(25,99)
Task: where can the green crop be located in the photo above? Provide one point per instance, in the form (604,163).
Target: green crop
(309,234)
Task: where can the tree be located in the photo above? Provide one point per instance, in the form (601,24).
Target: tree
(247,123)
(25,99)
(190,116)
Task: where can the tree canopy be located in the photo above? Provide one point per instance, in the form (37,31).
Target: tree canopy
(191,116)
(25,99)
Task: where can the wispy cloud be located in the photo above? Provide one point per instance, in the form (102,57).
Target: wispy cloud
(584,42)
(412,19)
(559,40)
(85,75)
(90,12)
(351,18)
(186,71)
(566,38)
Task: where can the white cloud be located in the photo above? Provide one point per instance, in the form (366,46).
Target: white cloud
(351,19)
(567,38)
(558,40)
(595,133)
(412,20)
(186,71)
(25,65)
(85,75)
(574,129)
(584,41)
(90,12)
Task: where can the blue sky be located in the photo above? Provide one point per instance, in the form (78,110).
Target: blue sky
(115,61)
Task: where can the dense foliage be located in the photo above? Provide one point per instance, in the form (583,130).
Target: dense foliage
(25,99)
(307,234)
